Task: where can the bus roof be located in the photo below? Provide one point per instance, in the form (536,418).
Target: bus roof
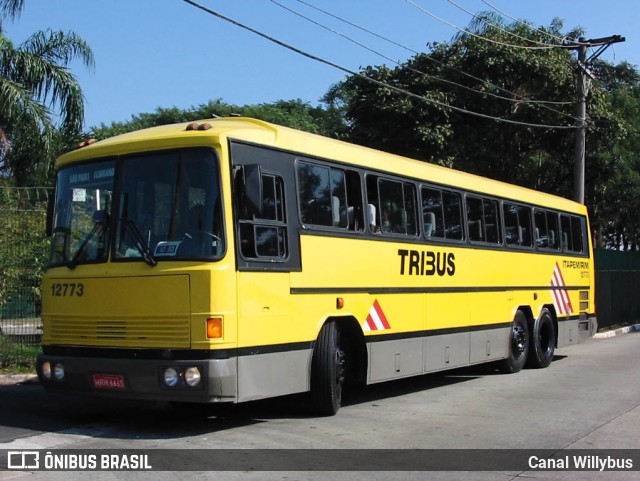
(285,138)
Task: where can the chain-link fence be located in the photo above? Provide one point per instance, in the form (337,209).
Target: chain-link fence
(23,255)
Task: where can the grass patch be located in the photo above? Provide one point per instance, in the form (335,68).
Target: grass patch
(16,356)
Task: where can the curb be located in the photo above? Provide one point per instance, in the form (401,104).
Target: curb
(6,379)
(617,332)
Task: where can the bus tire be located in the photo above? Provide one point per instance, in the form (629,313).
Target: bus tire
(519,341)
(327,370)
(543,341)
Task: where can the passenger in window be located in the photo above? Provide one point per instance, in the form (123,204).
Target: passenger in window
(386,219)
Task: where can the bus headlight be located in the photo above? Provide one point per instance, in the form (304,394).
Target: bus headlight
(58,371)
(171,377)
(45,369)
(192,376)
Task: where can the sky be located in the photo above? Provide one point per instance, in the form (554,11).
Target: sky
(166,53)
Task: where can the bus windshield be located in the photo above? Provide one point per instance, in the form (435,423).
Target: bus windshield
(154,207)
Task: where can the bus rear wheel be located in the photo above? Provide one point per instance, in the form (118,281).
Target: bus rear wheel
(328,370)
(543,341)
(518,345)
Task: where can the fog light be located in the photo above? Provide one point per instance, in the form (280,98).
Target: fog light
(58,371)
(171,377)
(192,376)
(45,369)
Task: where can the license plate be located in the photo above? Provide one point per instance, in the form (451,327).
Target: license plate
(108,381)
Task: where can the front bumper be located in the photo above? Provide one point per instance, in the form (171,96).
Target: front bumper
(141,378)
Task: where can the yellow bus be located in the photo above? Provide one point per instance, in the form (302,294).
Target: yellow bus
(229,259)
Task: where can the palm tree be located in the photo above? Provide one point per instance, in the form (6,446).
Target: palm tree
(11,8)
(35,87)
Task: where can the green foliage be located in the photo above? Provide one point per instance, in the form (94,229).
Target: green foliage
(291,113)
(474,74)
(24,250)
(612,146)
(11,8)
(35,84)
(17,356)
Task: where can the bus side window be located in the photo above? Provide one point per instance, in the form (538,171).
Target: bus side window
(475,219)
(373,205)
(265,235)
(517,225)
(355,212)
(452,205)
(542,232)
(329,196)
(441,214)
(432,214)
(390,192)
(546,229)
(524,220)
(395,206)
(482,220)
(511,224)
(578,238)
(553,230)
(572,234)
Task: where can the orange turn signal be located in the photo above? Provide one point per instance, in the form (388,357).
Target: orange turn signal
(214,328)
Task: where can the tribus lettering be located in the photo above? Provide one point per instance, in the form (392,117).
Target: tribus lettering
(426,263)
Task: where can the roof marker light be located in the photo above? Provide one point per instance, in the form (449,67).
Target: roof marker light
(85,143)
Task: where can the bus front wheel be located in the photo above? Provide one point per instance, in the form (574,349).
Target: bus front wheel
(328,370)
(518,345)
(543,341)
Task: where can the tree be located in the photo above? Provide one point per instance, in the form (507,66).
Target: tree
(491,69)
(475,75)
(614,177)
(291,113)
(35,87)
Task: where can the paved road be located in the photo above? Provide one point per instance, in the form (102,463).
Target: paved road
(589,398)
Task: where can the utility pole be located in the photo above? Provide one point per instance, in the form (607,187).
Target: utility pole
(583,82)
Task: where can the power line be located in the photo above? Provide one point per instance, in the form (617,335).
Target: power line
(515,97)
(498,27)
(419,72)
(487,39)
(365,77)
(541,30)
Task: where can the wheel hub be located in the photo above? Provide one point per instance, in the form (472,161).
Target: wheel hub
(518,340)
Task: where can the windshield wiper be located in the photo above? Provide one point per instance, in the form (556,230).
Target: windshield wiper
(100,222)
(140,243)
